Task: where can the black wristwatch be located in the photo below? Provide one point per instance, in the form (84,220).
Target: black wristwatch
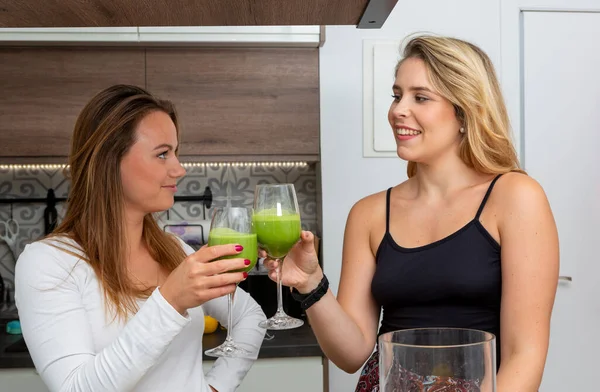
(309,299)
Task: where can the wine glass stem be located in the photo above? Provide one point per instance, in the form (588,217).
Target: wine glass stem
(228,339)
(279,294)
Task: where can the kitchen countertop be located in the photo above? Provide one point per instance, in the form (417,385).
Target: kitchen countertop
(298,342)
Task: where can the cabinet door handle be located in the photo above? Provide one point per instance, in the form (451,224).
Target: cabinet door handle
(565,278)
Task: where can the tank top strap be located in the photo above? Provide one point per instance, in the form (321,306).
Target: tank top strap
(387,210)
(487,195)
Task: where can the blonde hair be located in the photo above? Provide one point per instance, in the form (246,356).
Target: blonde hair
(105,130)
(463,74)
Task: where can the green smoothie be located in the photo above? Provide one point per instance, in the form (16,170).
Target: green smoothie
(224,235)
(277,233)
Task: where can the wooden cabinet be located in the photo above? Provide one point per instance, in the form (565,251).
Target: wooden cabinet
(42,90)
(241,102)
(234,103)
(119,13)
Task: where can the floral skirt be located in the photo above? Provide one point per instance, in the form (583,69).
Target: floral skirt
(369,380)
(369,377)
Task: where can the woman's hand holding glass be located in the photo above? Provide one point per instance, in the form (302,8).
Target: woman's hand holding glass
(199,279)
(301,269)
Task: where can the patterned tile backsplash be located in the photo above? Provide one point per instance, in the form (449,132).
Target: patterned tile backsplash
(230,185)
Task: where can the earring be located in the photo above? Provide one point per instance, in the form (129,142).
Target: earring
(461,130)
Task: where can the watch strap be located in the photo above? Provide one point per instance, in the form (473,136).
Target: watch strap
(309,299)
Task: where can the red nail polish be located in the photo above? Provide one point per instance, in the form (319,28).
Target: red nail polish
(239,248)
(247,262)
(245,275)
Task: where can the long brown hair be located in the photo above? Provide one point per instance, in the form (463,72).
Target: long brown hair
(463,73)
(104,132)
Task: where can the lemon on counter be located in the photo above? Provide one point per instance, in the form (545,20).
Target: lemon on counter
(210,324)
(442,370)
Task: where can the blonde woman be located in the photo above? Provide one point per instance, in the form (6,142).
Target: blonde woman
(109,302)
(468,241)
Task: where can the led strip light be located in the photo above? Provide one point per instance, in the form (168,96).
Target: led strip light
(184,164)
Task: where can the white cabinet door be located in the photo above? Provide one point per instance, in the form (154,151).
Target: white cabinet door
(282,374)
(561,138)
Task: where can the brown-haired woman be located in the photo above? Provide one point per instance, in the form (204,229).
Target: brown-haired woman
(468,241)
(110,302)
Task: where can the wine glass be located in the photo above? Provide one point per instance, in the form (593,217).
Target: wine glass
(437,359)
(277,225)
(233,225)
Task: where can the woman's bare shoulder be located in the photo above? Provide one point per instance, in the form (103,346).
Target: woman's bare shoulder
(517,192)
(369,205)
(515,186)
(371,208)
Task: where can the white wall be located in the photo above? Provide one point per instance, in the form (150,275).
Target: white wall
(346,175)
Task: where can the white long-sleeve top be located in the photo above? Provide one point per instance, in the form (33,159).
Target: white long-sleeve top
(76,346)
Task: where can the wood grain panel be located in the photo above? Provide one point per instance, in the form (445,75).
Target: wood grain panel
(241,101)
(115,13)
(42,91)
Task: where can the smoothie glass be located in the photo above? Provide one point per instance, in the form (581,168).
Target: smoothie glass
(277,225)
(233,225)
(437,359)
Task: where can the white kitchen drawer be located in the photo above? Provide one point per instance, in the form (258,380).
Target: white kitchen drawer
(282,374)
(20,380)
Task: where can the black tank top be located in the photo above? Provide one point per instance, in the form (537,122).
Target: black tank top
(454,282)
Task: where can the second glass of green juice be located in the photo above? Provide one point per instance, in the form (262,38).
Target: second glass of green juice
(277,233)
(278,228)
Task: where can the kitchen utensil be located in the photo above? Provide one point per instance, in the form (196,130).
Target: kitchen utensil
(9,231)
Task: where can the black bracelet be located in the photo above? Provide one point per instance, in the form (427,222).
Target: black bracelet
(308,300)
